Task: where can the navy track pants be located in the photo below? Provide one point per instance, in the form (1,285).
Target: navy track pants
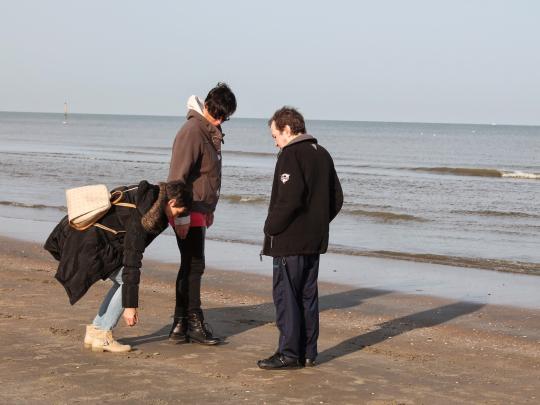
(296,298)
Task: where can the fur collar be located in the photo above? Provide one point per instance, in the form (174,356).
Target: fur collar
(155,220)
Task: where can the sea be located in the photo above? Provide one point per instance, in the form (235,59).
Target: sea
(461,195)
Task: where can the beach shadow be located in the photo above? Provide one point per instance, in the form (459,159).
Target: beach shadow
(398,326)
(157,336)
(230,321)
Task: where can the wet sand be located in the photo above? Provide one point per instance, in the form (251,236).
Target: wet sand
(405,276)
(376,346)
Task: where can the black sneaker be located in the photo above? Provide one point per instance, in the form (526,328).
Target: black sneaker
(310,363)
(279,361)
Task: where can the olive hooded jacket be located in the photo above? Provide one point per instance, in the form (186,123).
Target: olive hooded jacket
(196,159)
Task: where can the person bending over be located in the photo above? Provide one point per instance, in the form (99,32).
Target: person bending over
(113,248)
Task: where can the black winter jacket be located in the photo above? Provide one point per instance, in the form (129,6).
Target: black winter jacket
(93,254)
(306,196)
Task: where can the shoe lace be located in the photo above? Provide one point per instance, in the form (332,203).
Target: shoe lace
(207,329)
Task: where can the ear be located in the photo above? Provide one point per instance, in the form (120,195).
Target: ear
(287,130)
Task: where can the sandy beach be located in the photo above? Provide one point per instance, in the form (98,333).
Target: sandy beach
(376,346)
(402,139)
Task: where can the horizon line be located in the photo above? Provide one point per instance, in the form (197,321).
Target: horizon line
(260,118)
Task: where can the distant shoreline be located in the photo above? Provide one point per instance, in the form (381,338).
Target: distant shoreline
(94,114)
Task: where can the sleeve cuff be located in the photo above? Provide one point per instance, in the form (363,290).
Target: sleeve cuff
(182,220)
(130,296)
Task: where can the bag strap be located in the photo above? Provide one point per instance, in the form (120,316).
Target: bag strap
(116,201)
(106,228)
(120,194)
(129,205)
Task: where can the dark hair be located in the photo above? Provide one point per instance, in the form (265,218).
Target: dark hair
(220,102)
(288,116)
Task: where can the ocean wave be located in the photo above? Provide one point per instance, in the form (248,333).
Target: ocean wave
(33,206)
(77,156)
(247,153)
(384,216)
(248,199)
(521,175)
(508,266)
(133,152)
(478,172)
(491,213)
(358,166)
(501,265)
(142,149)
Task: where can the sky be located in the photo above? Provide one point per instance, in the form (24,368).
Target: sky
(470,61)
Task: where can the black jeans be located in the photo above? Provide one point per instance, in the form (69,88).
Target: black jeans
(296,298)
(188,281)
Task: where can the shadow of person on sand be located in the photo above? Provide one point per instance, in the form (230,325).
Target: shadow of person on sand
(230,321)
(398,326)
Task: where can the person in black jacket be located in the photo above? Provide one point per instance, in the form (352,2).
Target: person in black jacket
(113,248)
(306,196)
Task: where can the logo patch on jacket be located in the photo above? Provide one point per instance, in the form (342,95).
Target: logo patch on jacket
(285,177)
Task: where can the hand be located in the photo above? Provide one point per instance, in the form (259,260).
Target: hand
(130,316)
(209,219)
(171,211)
(182,230)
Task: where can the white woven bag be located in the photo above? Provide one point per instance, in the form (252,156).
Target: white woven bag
(86,205)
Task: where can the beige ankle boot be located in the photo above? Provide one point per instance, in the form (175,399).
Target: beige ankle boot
(104,342)
(91,332)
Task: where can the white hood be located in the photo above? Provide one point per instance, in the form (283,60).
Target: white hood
(196,104)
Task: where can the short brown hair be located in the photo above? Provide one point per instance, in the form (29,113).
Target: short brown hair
(288,116)
(220,102)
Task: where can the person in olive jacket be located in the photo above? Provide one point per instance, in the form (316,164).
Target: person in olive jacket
(113,248)
(196,161)
(306,197)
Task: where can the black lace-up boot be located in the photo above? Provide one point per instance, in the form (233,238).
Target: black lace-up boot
(198,331)
(179,329)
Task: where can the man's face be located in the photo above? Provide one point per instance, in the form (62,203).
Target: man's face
(281,138)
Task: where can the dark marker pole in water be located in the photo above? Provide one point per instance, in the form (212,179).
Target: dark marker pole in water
(65,112)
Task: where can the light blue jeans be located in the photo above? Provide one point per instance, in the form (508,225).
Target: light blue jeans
(111,308)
